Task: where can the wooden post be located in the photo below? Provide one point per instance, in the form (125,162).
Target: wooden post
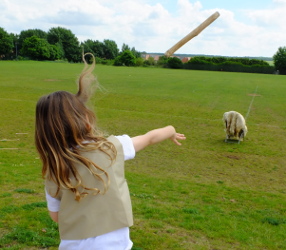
(192,34)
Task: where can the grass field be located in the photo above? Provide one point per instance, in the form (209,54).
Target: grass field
(206,194)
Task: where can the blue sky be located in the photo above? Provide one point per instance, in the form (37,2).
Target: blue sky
(236,6)
(244,28)
(233,5)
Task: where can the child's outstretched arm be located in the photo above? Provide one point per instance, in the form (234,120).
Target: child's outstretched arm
(156,136)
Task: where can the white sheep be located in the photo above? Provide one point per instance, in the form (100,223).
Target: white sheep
(235,126)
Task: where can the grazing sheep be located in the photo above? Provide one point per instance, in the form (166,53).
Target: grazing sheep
(235,126)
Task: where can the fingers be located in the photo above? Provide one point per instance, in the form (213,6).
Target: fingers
(177,137)
(178,143)
(180,136)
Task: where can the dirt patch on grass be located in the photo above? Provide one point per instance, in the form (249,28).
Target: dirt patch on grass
(233,157)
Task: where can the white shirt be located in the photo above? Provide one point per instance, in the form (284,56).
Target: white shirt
(116,240)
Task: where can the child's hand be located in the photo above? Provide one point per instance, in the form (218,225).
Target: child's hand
(177,137)
(155,136)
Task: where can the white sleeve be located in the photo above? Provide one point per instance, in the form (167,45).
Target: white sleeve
(128,148)
(53,203)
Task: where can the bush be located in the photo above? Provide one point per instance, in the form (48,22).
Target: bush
(229,64)
(118,62)
(126,58)
(37,48)
(175,63)
(139,61)
(146,63)
(163,61)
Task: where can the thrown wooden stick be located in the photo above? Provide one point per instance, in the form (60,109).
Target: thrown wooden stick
(192,34)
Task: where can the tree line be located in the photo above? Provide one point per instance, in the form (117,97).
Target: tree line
(56,44)
(61,44)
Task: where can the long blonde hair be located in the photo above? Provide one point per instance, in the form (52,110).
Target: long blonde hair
(63,126)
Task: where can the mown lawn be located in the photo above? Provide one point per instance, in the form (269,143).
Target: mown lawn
(206,194)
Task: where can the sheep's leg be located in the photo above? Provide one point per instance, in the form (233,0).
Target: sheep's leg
(227,130)
(241,135)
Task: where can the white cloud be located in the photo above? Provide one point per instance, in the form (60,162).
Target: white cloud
(280,1)
(151,26)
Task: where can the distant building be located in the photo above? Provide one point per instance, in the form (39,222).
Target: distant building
(186,59)
(145,56)
(156,58)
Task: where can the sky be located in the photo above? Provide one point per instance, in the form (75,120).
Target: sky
(244,28)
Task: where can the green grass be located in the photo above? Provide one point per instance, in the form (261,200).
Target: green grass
(206,194)
(271,63)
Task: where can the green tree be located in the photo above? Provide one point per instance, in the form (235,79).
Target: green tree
(67,41)
(111,50)
(136,53)
(29,33)
(15,51)
(36,48)
(125,47)
(126,58)
(98,49)
(280,60)
(56,51)
(94,47)
(6,43)
(88,46)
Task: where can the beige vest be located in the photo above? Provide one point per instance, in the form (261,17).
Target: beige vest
(100,214)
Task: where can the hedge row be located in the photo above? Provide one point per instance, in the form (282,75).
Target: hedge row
(231,67)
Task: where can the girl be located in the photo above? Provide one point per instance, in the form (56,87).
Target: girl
(86,190)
